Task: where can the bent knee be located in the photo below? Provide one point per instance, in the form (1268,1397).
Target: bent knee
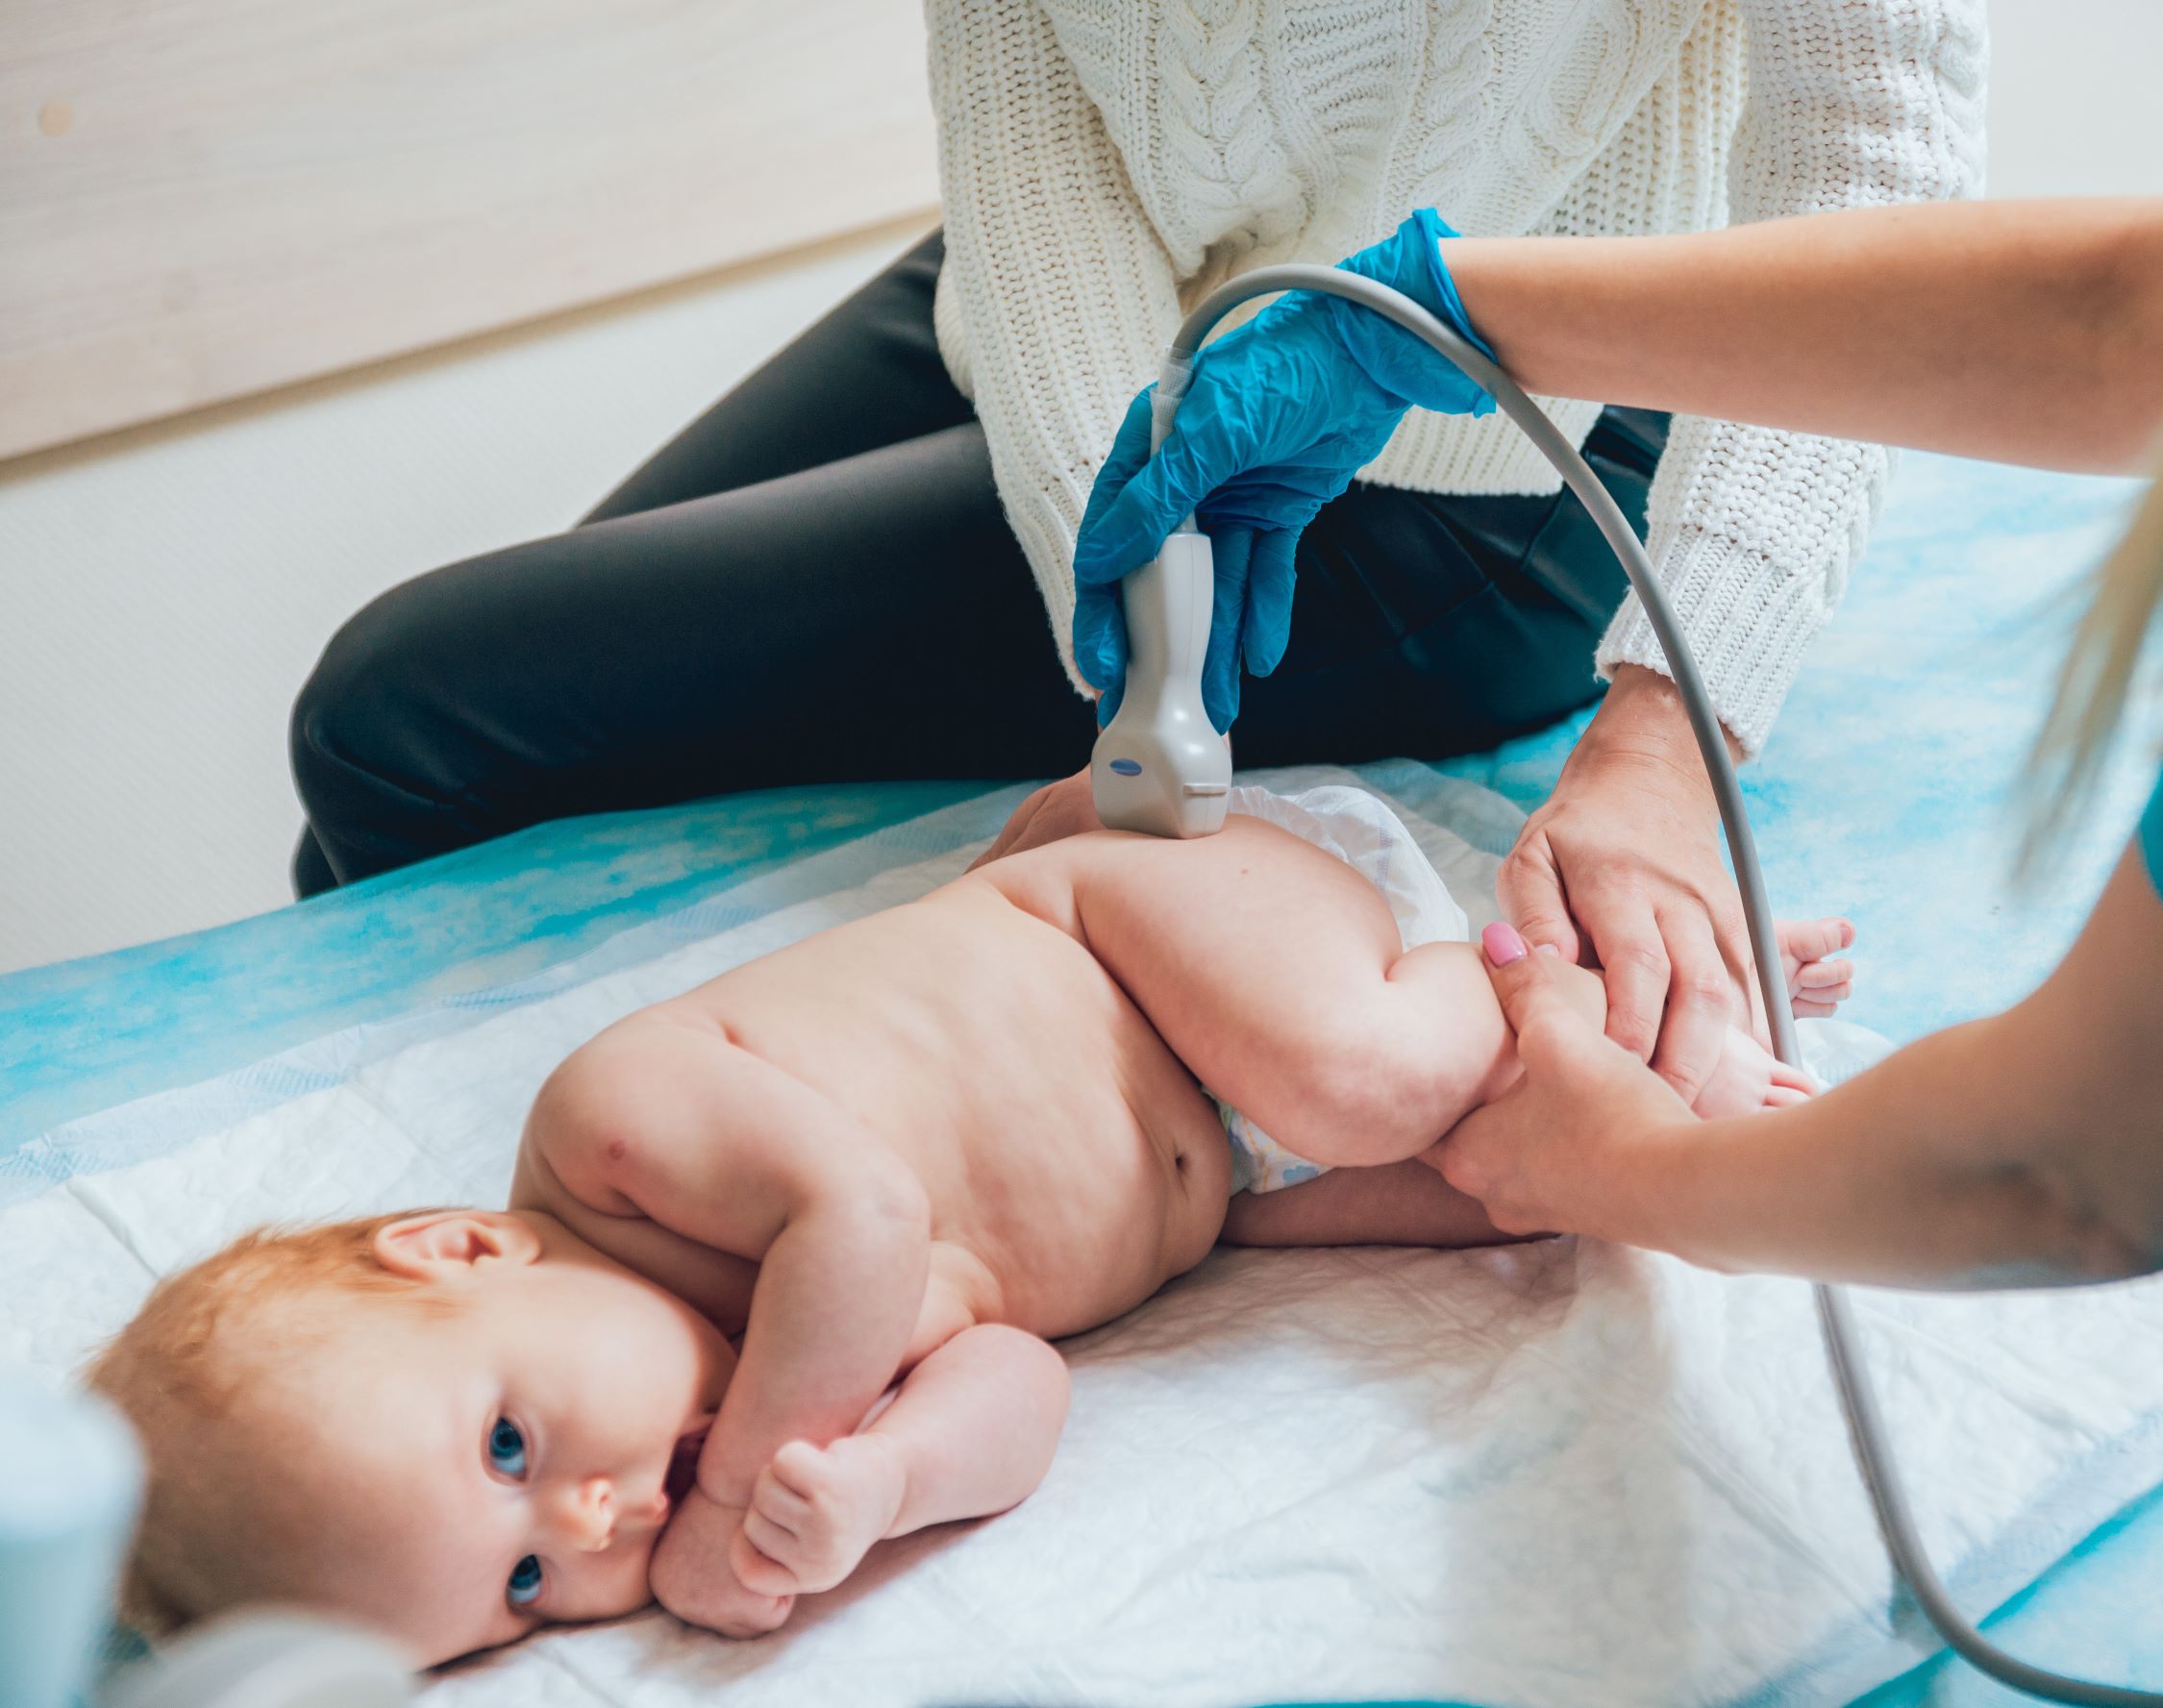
(394,741)
(365,719)
(1366,1096)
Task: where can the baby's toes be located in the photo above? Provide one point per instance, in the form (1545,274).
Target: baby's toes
(802,1515)
(1830,935)
(799,1469)
(849,1492)
(774,1560)
(1785,1076)
(759,1554)
(774,1499)
(1822,999)
(1804,940)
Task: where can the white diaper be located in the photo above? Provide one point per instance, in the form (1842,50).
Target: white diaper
(1363,834)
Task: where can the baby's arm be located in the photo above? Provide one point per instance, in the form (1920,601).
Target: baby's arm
(969,1433)
(662,1118)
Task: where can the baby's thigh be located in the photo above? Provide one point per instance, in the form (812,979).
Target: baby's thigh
(1261,959)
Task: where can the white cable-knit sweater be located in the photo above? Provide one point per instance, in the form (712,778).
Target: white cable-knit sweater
(1105,163)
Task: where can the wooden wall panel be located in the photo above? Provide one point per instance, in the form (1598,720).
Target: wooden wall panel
(203,198)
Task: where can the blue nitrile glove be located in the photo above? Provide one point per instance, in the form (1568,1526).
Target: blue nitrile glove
(1281,412)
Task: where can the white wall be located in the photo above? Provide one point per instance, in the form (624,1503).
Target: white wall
(201,201)
(2072,106)
(163,594)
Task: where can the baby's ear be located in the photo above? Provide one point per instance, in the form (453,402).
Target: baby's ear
(438,1244)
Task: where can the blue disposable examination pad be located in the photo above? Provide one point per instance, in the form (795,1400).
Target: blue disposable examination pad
(1881,797)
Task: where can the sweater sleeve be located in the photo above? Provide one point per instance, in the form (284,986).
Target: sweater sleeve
(1062,296)
(1753,532)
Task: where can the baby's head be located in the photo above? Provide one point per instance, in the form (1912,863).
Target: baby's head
(451,1426)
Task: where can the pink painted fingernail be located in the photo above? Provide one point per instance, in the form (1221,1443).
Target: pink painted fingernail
(1502,943)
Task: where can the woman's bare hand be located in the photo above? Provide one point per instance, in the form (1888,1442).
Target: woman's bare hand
(1543,1157)
(1621,868)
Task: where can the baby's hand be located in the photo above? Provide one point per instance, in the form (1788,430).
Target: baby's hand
(815,1513)
(692,1577)
(1749,1077)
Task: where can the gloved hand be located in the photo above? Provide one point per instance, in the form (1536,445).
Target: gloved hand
(1281,412)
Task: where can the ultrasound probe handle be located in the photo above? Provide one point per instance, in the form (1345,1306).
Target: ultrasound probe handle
(1159,766)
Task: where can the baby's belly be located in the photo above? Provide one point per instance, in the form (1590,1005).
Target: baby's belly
(1072,1163)
(1117,1187)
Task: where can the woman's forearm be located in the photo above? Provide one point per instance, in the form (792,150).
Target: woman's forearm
(2025,1149)
(1904,1176)
(2024,330)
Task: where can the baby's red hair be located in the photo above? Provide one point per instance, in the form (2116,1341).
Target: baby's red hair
(175,1370)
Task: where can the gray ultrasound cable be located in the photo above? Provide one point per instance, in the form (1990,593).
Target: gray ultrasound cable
(1850,1375)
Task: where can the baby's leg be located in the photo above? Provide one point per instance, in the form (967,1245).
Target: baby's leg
(1399,1203)
(970,1432)
(1277,974)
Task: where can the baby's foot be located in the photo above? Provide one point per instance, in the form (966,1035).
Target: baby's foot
(1816,985)
(1787,1086)
(816,1511)
(1749,1077)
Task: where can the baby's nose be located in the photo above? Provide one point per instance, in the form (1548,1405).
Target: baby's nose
(584,1514)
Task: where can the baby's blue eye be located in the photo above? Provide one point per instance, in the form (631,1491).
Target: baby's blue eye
(526,1581)
(507,1449)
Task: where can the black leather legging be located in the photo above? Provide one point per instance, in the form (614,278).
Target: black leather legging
(814,584)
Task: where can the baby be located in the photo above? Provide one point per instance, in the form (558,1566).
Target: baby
(785,1255)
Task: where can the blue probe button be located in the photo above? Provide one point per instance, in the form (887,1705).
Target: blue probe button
(1127,767)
